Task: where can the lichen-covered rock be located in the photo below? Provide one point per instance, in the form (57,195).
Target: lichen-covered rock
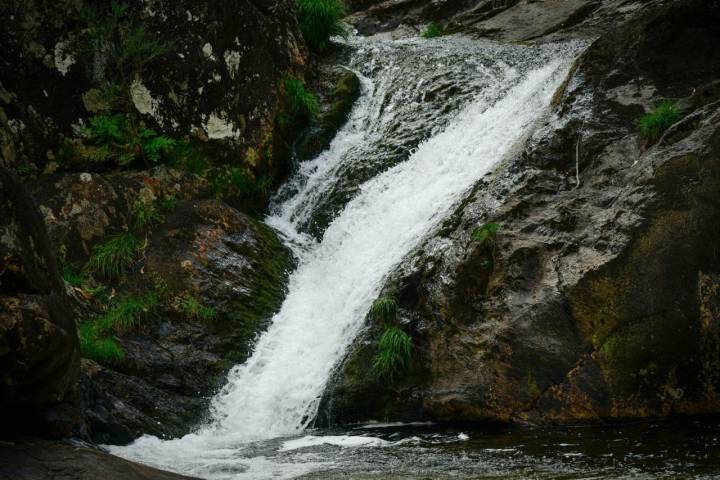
(39,357)
(598,299)
(209,70)
(83,209)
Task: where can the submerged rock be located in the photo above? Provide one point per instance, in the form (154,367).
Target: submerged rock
(597,300)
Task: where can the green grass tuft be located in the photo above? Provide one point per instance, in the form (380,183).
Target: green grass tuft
(384,310)
(486,232)
(127,314)
(300,101)
(145,215)
(231,182)
(319,20)
(96,347)
(394,354)
(654,124)
(137,48)
(193,309)
(71,274)
(168,204)
(433,30)
(113,257)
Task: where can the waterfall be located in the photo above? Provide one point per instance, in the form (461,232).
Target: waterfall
(498,93)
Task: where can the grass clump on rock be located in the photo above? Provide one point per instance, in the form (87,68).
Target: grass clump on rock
(96,347)
(433,30)
(300,101)
(486,232)
(126,315)
(394,354)
(394,348)
(319,20)
(144,215)
(113,257)
(193,309)
(654,124)
(384,309)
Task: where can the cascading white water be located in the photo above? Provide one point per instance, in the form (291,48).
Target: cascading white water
(276,392)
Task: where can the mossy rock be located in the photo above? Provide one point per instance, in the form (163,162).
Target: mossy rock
(321,132)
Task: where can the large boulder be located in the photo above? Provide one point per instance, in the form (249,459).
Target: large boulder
(597,299)
(217,273)
(39,356)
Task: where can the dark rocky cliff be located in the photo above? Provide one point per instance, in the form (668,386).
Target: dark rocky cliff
(594,300)
(94,95)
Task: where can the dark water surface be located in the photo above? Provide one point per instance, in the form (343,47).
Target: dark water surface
(638,451)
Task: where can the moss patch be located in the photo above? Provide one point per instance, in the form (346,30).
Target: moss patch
(323,130)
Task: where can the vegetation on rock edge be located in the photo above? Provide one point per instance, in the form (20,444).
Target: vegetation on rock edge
(654,124)
(319,20)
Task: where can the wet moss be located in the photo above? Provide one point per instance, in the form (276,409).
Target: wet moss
(323,130)
(250,312)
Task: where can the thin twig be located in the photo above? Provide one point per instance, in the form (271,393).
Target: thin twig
(577,156)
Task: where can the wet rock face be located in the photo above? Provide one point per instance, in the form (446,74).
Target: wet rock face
(596,301)
(217,78)
(231,263)
(204,251)
(39,354)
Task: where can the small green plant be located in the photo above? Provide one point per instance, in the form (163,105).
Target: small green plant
(384,310)
(532,387)
(654,124)
(486,232)
(319,20)
(144,215)
(121,139)
(301,103)
(100,294)
(160,286)
(433,30)
(188,157)
(113,257)
(126,315)
(394,354)
(137,48)
(71,274)
(168,204)
(96,347)
(126,46)
(193,309)
(234,182)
